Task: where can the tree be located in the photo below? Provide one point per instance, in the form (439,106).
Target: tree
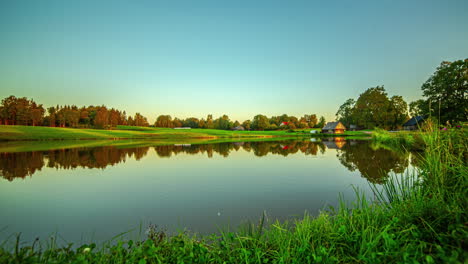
(52,116)
(418,108)
(321,122)
(447,91)
(102,118)
(223,123)
(372,108)
(398,112)
(345,112)
(140,120)
(176,122)
(37,114)
(260,122)
(209,122)
(246,124)
(165,121)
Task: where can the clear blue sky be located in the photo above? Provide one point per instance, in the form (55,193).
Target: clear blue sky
(241,58)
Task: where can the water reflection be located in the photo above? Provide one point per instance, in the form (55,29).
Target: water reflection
(372,161)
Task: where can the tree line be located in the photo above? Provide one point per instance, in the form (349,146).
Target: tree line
(445,100)
(26,112)
(259,122)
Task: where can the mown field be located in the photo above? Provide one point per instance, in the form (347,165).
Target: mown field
(9,133)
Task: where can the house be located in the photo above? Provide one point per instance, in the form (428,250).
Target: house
(414,123)
(334,128)
(238,128)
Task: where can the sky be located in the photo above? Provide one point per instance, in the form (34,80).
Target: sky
(240,58)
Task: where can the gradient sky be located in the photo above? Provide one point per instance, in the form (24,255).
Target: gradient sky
(241,58)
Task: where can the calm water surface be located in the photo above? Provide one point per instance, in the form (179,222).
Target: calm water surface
(89,194)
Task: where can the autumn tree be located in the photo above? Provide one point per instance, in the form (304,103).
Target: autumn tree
(140,120)
(165,121)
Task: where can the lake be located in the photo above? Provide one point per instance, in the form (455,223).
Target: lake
(94,193)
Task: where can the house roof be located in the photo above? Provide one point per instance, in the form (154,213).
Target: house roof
(333,125)
(414,121)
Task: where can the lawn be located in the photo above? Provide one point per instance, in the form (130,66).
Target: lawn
(10,133)
(55,133)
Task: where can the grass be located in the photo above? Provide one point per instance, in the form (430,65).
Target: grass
(405,139)
(29,133)
(415,218)
(53,133)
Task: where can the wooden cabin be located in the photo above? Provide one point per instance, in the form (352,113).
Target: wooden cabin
(334,128)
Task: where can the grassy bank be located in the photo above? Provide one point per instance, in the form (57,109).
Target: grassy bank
(405,139)
(414,219)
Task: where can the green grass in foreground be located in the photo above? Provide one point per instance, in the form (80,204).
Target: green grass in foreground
(415,219)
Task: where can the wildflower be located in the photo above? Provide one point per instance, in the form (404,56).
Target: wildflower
(445,128)
(86,250)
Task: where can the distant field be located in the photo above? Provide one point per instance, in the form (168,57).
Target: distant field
(8,133)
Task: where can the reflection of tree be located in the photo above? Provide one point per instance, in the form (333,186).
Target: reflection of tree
(374,164)
(22,164)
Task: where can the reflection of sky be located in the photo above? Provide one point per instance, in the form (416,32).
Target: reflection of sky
(182,191)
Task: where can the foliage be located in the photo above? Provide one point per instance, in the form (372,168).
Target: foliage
(345,113)
(372,109)
(446,92)
(321,122)
(260,122)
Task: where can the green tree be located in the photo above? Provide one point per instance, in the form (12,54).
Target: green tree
(321,122)
(247,124)
(223,123)
(446,91)
(260,122)
(418,108)
(398,111)
(372,108)
(345,112)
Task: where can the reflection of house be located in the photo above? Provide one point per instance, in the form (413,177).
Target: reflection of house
(182,128)
(334,143)
(413,123)
(334,128)
(238,128)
